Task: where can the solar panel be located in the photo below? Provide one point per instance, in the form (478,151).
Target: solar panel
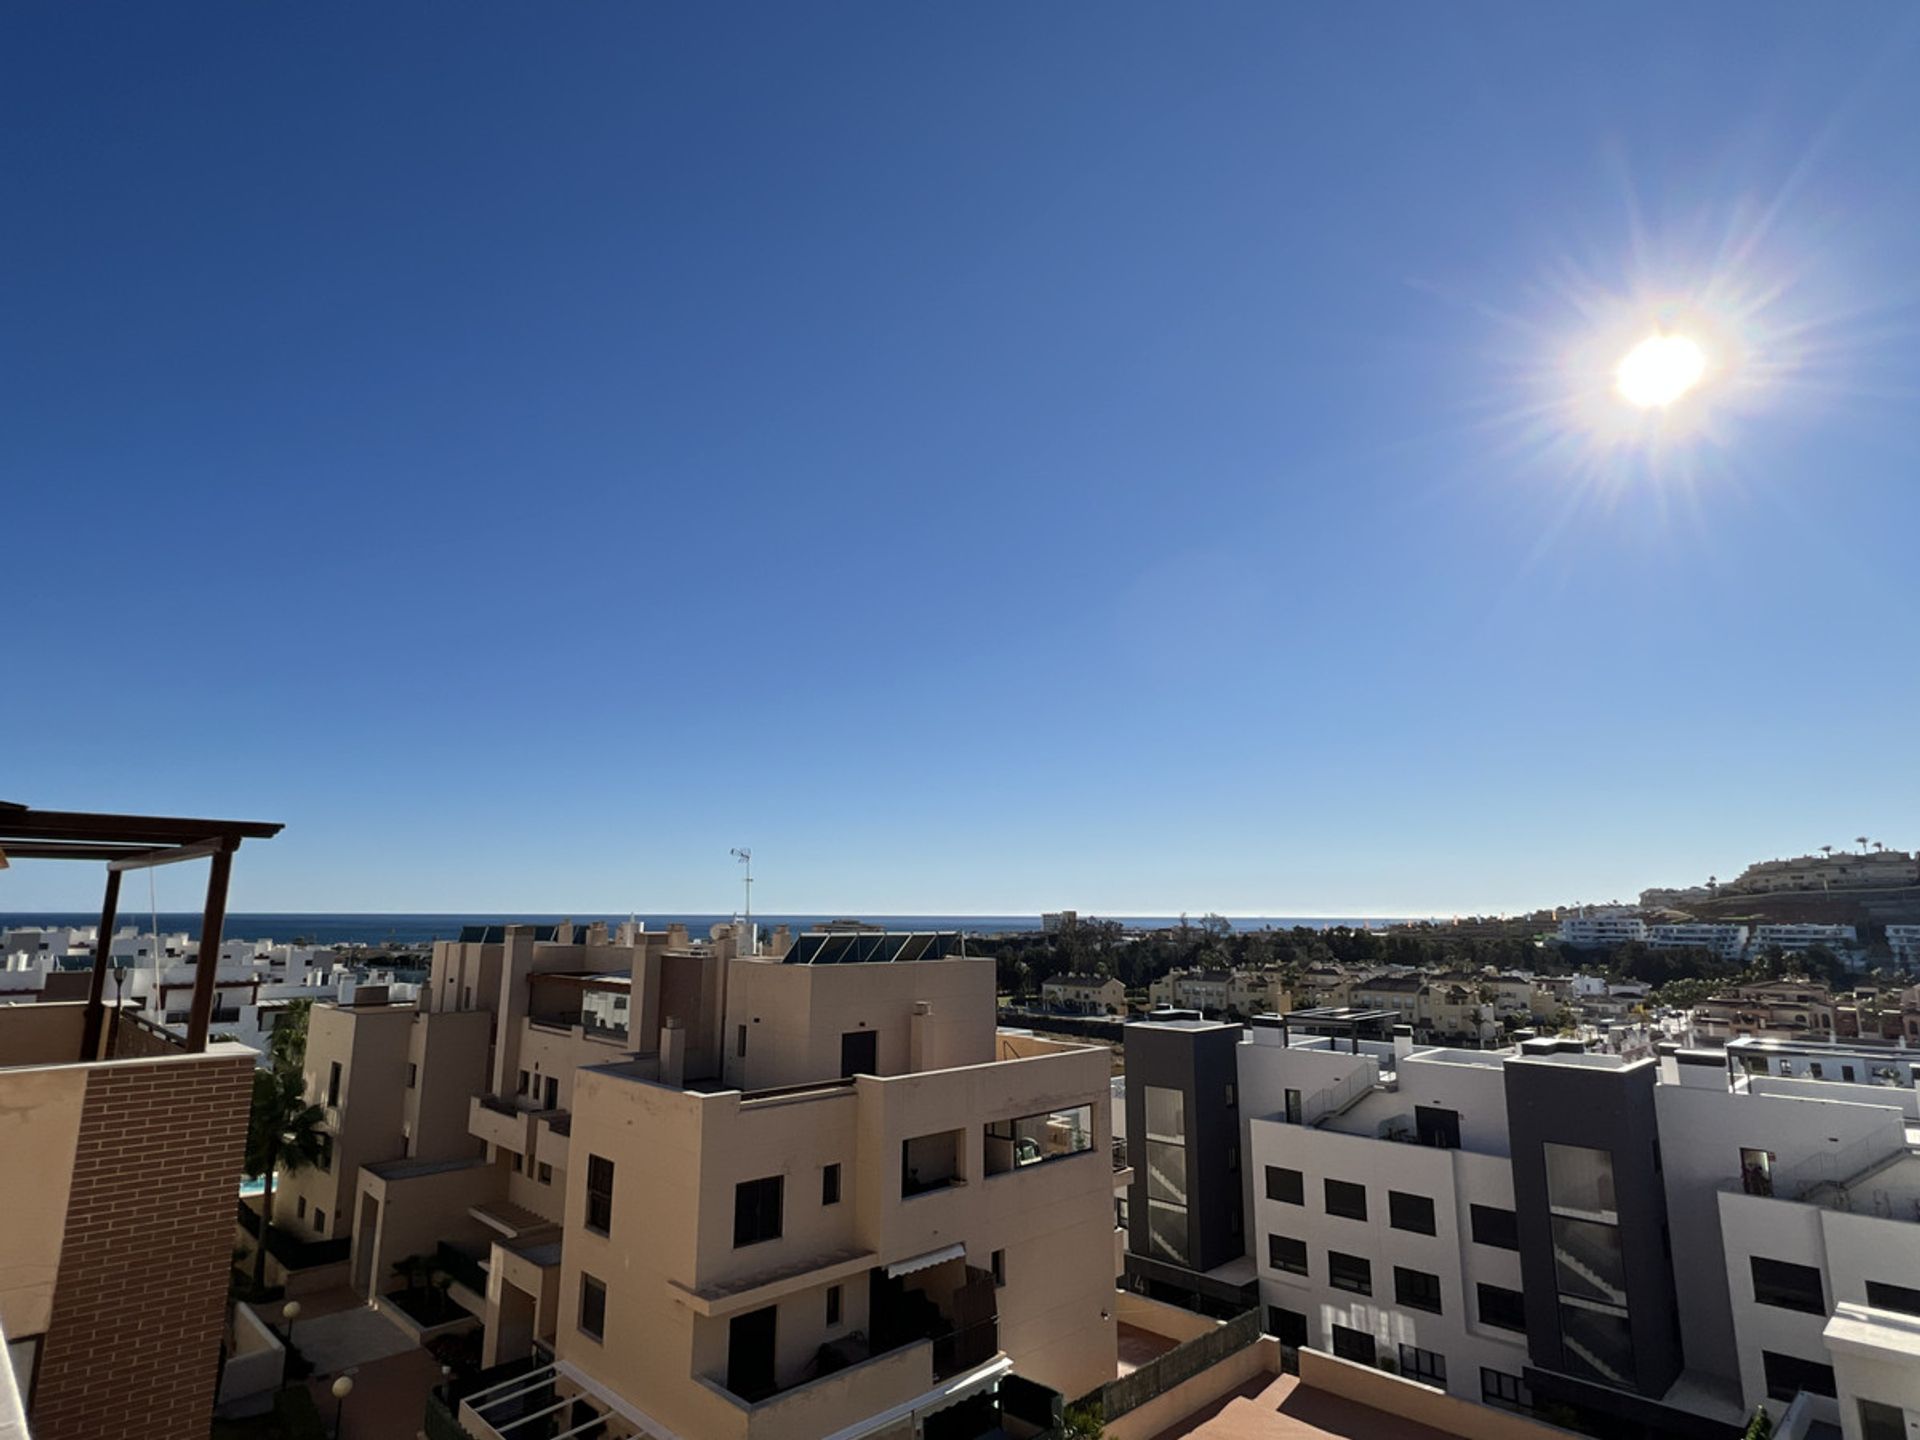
(872,947)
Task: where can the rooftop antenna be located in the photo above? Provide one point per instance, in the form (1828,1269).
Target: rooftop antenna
(745,857)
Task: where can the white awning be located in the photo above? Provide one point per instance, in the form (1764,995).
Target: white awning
(921,1262)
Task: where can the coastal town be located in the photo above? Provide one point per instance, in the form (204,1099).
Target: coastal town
(979,1185)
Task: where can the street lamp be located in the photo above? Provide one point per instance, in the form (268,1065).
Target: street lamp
(342,1387)
(290,1312)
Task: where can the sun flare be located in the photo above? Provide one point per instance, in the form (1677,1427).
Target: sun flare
(1659,370)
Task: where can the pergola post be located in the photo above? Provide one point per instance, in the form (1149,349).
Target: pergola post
(207,966)
(97,986)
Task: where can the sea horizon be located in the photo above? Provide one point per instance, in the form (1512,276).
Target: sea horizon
(420,927)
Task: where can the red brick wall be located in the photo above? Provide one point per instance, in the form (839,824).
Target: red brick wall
(138,1304)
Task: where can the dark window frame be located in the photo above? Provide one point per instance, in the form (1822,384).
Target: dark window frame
(1277,1180)
(1429,1367)
(1358,1270)
(1783,1285)
(1287,1255)
(1503,1300)
(593,1307)
(599,1216)
(759,1210)
(1416,1289)
(1346,1191)
(1403,1207)
(1505,1392)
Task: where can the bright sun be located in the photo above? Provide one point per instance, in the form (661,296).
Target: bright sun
(1659,370)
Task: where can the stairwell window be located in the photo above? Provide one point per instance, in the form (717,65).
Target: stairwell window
(600,1194)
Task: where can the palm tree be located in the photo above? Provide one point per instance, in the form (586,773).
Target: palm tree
(283,1133)
(1861,841)
(1826,850)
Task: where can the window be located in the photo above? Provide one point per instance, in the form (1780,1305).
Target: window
(1508,1392)
(1416,1289)
(1286,1186)
(1587,1262)
(593,1307)
(1893,1297)
(1030,1139)
(1231,1100)
(1349,1272)
(413,1076)
(1346,1198)
(546,1173)
(1791,1287)
(1355,1345)
(1496,1227)
(833,1304)
(526,1082)
(1286,1253)
(830,1184)
(1410,1212)
(1596,1341)
(600,1194)
(1788,1375)
(1879,1421)
(466,997)
(1502,1308)
(1580,1182)
(326,1151)
(333,1083)
(553,1092)
(756,1210)
(1289,1327)
(740,1041)
(519,1164)
(1166,1156)
(300,1208)
(1166,1115)
(997,1267)
(1427,1366)
(319,1221)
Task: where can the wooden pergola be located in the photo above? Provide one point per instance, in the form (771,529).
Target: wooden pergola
(136,842)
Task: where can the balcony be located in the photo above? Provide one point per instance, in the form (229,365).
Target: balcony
(508,1123)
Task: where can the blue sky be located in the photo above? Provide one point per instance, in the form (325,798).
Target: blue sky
(984,458)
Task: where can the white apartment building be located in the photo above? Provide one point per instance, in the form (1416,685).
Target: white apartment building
(1791,938)
(1904,942)
(1670,1242)
(1725,942)
(1601,929)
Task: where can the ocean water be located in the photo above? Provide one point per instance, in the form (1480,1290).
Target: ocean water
(352,929)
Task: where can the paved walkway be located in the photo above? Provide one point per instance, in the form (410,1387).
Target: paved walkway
(341,1338)
(1284,1409)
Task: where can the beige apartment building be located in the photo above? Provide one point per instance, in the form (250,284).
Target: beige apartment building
(858,1214)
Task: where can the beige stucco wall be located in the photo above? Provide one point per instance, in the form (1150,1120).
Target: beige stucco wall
(371,1044)
(1446,1413)
(39,1130)
(449,1051)
(795,1015)
(41,1034)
